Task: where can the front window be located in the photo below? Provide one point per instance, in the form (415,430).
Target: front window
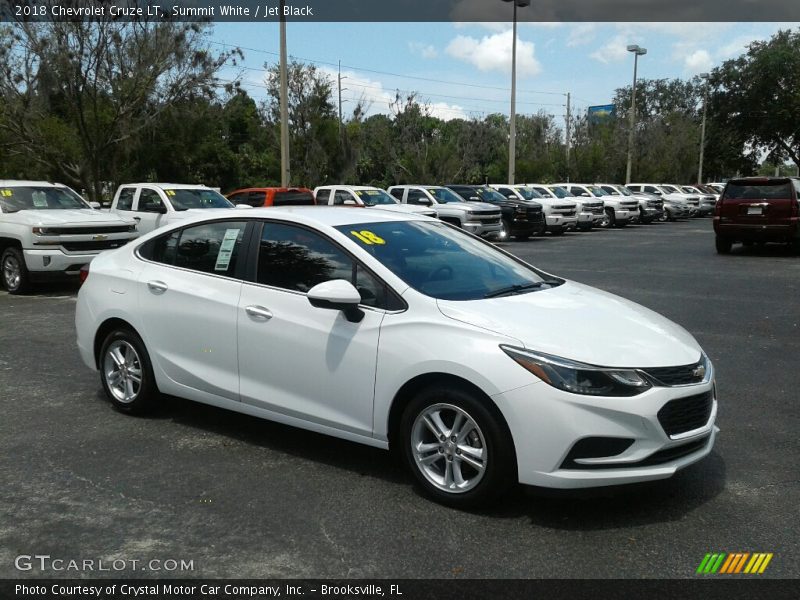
(528,193)
(444,195)
(561,192)
(374,197)
(194,198)
(669,189)
(445,263)
(488,194)
(597,191)
(38,198)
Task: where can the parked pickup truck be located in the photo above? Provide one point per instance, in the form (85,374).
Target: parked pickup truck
(651,207)
(521,218)
(559,215)
(591,207)
(479,218)
(758,210)
(669,194)
(365,196)
(153,205)
(47,231)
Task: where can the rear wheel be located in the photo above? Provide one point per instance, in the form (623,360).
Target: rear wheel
(459,452)
(126,373)
(16,278)
(723,244)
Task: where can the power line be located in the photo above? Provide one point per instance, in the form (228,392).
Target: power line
(366,70)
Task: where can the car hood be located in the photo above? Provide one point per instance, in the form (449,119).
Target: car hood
(79,217)
(406,208)
(472,206)
(582,323)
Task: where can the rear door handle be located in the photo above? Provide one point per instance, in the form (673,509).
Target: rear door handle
(259,313)
(157,287)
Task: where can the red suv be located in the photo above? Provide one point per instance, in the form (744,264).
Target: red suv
(758,209)
(272,196)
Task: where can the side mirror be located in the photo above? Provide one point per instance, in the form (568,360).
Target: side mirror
(657,193)
(242,206)
(337,294)
(584,194)
(474,199)
(512,196)
(350,203)
(96,205)
(425,201)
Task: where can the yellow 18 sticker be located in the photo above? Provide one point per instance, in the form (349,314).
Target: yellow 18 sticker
(367,237)
(6,193)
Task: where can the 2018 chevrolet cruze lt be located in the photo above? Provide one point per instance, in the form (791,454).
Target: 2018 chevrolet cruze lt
(400,331)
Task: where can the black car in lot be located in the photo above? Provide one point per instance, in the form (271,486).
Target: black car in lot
(521,218)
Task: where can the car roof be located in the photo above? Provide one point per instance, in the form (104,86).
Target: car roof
(331,216)
(172,186)
(268,189)
(350,187)
(26,183)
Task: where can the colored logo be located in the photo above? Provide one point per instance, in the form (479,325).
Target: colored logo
(734,563)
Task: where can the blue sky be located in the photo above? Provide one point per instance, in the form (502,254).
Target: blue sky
(463,70)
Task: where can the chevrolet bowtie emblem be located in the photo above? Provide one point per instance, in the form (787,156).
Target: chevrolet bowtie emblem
(99,238)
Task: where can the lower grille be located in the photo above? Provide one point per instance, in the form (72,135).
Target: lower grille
(92,246)
(686,414)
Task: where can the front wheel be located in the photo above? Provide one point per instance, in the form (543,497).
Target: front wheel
(723,244)
(126,373)
(16,278)
(459,452)
(608,219)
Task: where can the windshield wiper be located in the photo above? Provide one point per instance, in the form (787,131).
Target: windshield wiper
(515,289)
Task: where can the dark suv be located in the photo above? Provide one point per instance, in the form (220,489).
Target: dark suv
(757,209)
(521,218)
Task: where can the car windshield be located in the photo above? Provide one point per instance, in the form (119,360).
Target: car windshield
(561,192)
(374,197)
(15,199)
(488,194)
(689,190)
(445,263)
(669,189)
(779,190)
(610,190)
(184,199)
(543,192)
(528,193)
(444,195)
(598,191)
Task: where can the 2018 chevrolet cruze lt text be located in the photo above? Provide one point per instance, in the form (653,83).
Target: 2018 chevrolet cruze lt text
(400,331)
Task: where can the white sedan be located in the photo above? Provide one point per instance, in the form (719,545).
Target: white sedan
(400,331)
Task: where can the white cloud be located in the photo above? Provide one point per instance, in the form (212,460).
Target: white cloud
(581,34)
(699,61)
(423,50)
(493,53)
(615,50)
(378,100)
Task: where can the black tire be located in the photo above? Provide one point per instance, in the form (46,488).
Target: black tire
(610,220)
(521,237)
(557,230)
(500,472)
(15,275)
(670,217)
(146,393)
(723,244)
(747,243)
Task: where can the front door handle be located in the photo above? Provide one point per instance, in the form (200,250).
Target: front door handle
(259,313)
(157,287)
(137,219)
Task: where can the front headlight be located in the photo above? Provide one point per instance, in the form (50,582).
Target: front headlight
(579,378)
(43,231)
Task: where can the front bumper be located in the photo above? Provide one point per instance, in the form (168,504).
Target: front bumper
(483,229)
(55,264)
(546,423)
(557,221)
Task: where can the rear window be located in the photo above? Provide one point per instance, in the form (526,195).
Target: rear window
(293,198)
(779,190)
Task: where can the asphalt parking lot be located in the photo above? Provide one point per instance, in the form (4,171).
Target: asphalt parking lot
(243,497)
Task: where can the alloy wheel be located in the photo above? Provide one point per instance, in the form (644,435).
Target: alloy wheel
(12,272)
(449,448)
(122,369)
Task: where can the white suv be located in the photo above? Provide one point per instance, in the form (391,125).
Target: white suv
(365,196)
(560,215)
(47,231)
(480,218)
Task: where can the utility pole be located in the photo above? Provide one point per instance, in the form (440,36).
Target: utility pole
(340,100)
(569,118)
(285,176)
(512,140)
(703,129)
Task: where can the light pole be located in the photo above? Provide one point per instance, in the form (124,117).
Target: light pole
(512,136)
(637,52)
(703,129)
(284,102)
